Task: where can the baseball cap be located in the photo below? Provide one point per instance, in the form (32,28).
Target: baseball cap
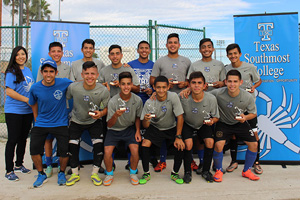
(50,63)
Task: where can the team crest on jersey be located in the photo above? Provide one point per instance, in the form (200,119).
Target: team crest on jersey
(174,66)
(229,105)
(86,98)
(207,69)
(219,134)
(195,110)
(164,109)
(58,94)
(127,110)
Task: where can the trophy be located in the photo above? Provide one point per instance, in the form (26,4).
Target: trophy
(144,86)
(210,81)
(92,109)
(122,104)
(248,86)
(152,109)
(207,117)
(175,79)
(114,77)
(238,113)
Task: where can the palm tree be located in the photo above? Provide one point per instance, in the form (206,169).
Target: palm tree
(45,12)
(14,11)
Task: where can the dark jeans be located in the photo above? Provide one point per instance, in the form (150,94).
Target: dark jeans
(18,127)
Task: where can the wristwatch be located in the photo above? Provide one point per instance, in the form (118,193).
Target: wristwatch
(178,136)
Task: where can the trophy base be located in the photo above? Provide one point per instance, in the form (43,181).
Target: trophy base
(152,115)
(210,85)
(238,117)
(122,109)
(248,90)
(206,120)
(175,82)
(92,113)
(112,83)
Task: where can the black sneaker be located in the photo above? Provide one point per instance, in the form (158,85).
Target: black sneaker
(101,170)
(208,176)
(199,170)
(127,166)
(154,162)
(187,178)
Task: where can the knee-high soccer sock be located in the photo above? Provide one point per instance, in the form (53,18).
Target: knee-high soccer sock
(249,159)
(74,155)
(163,152)
(48,161)
(178,160)
(208,154)
(98,154)
(258,150)
(218,159)
(187,158)
(145,158)
(233,150)
(200,155)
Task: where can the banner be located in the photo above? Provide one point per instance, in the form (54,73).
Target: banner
(71,36)
(271,43)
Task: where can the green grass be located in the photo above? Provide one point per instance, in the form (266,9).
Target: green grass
(2,116)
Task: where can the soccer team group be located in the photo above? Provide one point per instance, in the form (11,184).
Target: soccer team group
(170,105)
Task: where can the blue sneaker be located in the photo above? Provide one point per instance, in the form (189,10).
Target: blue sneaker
(42,178)
(61,180)
(12,176)
(22,169)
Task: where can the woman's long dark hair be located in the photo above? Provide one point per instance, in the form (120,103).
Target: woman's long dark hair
(13,66)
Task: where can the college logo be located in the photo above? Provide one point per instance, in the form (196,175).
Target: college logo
(264,30)
(164,109)
(29,83)
(195,110)
(61,36)
(86,98)
(127,110)
(207,69)
(174,66)
(58,94)
(229,105)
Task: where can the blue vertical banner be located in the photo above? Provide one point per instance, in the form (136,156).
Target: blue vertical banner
(71,36)
(271,43)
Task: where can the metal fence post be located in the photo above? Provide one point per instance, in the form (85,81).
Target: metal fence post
(150,38)
(16,36)
(156,40)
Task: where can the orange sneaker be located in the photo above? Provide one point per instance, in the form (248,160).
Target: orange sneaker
(250,175)
(160,166)
(218,176)
(194,166)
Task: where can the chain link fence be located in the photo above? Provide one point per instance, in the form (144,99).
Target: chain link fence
(127,36)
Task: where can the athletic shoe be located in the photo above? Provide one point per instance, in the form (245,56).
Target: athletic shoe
(73,179)
(208,176)
(145,178)
(49,171)
(250,175)
(218,176)
(42,178)
(160,166)
(22,169)
(175,177)
(194,166)
(61,180)
(214,169)
(187,178)
(232,167)
(11,176)
(257,168)
(108,180)
(96,180)
(199,170)
(127,166)
(134,179)
(101,170)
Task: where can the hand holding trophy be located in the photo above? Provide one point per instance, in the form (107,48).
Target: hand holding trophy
(238,113)
(206,117)
(114,77)
(210,81)
(122,104)
(152,109)
(175,78)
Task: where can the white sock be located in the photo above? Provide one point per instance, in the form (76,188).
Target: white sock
(95,169)
(75,171)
